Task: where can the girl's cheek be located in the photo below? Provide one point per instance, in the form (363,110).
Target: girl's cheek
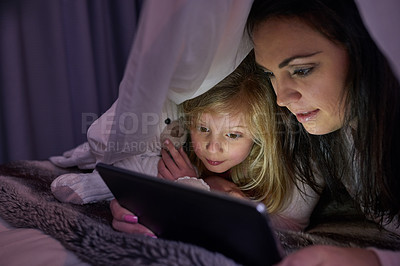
(197,147)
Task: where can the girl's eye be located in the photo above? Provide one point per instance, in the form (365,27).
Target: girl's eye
(233,135)
(203,129)
(302,72)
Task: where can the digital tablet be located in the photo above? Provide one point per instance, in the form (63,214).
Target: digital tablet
(235,227)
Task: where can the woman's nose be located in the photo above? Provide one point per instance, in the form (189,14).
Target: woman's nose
(286,92)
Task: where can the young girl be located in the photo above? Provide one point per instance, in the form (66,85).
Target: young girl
(342,107)
(234,129)
(231,140)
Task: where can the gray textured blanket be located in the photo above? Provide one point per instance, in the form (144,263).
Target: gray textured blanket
(26,201)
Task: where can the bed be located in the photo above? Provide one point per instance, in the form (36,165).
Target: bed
(85,230)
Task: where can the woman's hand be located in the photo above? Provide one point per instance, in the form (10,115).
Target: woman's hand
(125,221)
(330,255)
(220,184)
(176,164)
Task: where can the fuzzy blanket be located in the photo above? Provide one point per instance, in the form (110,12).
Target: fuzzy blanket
(26,201)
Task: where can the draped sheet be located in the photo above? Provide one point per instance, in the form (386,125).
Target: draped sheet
(182,49)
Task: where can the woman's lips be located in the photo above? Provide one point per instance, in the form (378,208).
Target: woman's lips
(214,163)
(304,117)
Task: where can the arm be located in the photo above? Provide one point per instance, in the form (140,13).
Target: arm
(330,256)
(387,257)
(296,217)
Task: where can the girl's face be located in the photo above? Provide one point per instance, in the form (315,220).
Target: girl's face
(308,72)
(221,141)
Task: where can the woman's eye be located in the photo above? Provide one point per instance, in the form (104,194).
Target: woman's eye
(302,72)
(269,74)
(203,129)
(233,135)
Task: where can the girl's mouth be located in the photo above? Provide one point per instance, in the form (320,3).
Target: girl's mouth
(306,116)
(214,163)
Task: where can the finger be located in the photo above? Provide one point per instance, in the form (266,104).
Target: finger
(185,157)
(132,228)
(171,148)
(126,221)
(168,161)
(175,154)
(120,213)
(163,171)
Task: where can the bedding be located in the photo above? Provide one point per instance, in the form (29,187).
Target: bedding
(85,230)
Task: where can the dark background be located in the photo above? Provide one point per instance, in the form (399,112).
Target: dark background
(61,62)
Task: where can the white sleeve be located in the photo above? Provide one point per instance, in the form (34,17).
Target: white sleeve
(382,21)
(296,215)
(182,49)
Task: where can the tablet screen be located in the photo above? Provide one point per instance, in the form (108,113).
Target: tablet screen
(235,227)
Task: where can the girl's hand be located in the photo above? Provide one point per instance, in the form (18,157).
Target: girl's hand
(175,164)
(330,255)
(125,221)
(220,184)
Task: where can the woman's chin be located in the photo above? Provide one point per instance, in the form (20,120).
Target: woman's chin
(316,130)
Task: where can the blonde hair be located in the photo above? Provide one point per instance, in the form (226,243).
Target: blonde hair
(247,92)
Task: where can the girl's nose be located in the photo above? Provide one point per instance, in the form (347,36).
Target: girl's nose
(214,146)
(286,92)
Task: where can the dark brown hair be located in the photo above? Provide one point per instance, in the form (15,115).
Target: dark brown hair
(372,110)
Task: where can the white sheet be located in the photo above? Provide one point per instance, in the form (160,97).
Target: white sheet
(182,48)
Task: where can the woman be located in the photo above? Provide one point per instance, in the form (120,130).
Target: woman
(341,100)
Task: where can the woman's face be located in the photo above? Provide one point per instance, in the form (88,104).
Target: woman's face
(308,72)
